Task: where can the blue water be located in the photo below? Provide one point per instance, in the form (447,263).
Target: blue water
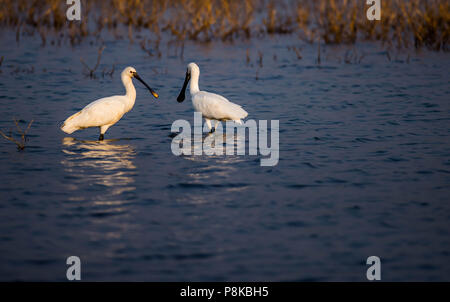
(364,166)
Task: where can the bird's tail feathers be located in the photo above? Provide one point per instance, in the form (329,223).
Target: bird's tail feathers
(239,112)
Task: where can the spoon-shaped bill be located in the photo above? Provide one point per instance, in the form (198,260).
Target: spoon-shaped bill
(182,94)
(145,84)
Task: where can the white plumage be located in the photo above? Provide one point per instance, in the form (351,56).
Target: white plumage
(105,112)
(211,105)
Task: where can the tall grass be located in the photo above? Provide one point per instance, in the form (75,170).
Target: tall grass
(415,23)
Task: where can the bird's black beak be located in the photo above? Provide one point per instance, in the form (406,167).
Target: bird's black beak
(182,94)
(145,84)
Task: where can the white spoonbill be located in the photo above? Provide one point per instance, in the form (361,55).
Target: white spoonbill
(211,105)
(105,112)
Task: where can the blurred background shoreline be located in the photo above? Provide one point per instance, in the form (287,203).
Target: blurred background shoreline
(404,24)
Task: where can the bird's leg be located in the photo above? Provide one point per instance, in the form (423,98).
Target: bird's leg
(216,122)
(103,131)
(208,123)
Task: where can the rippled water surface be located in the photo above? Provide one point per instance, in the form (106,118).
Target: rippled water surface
(364,167)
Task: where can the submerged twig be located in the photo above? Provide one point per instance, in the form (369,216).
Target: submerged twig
(23,133)
(144,48)
(297,52)
(92,70)
(318,52)
(388,55)
(182,51)
(110,72)
(260,59)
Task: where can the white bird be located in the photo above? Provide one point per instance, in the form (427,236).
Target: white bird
(211,105)
(105,112)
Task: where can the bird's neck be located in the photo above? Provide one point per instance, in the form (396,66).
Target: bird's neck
(193,87)
(130,92)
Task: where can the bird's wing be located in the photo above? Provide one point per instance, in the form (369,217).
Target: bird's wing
(103,111)
(215,106)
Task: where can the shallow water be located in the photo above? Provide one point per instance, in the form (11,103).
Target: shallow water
(364,167)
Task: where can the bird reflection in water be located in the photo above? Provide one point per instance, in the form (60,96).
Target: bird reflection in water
(107,163)
(212,172)
(214,145)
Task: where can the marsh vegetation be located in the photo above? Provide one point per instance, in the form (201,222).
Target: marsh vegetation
(411,23)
